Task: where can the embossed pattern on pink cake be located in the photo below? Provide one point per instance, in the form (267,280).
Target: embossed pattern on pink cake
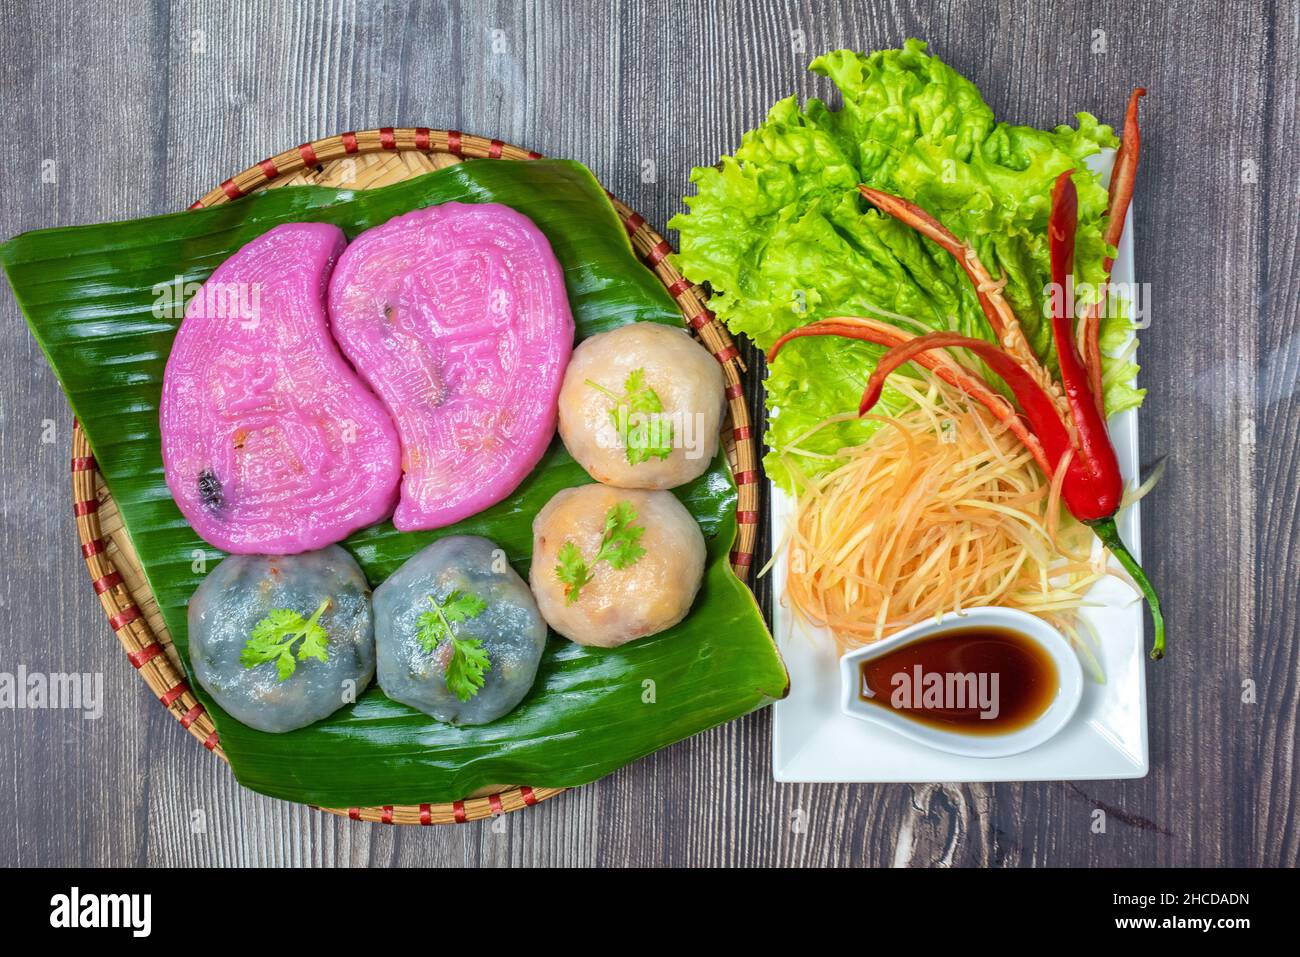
(271,443)
(457,317)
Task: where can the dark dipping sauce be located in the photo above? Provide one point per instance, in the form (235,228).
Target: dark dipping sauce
(964,674)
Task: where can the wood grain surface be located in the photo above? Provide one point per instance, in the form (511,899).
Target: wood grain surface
(116,110)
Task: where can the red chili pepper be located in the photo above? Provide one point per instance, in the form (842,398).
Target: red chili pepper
(1002,318)
(1085,406)
(1094,492)
(1123,175)
(884,334)
(1092,487)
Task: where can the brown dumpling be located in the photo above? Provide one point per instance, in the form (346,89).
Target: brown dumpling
(656,449)
(616,605)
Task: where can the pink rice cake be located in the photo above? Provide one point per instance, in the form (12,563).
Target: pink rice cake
(457,317)
(271,444)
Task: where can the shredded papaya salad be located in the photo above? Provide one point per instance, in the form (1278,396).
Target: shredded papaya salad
(940,510)
(937,393)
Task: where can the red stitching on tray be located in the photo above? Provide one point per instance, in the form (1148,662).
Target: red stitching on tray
(124,618)
(83,463)
(349,142)
(735,391)
(727,354)
(86,507)
(458,809)
(741,558)
(174,693)
(494,149)
(494,800)
(747,518)
(421,137)
(453,142)
(197,204)
(189,717)
(633,223)
(534,155)
(231,190)
(746,478)
(700,320)
(211,741)
(105,582)
(308,154)
(426,814)
(678,288)
(145,655)
(354,813)
(529,797)
(386,138)
(742,432)
(655,256)
(268,168)
(92,548)
(386,816)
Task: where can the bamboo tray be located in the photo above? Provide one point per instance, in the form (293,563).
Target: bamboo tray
(364,160)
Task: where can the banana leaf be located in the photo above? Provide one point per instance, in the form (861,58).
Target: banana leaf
(104,303)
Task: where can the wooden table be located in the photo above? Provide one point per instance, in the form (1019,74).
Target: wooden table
(116,110)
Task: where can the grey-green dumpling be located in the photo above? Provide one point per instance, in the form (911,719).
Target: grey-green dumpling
(245,590)
(457,598)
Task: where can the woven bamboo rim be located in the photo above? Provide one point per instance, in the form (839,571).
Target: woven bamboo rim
(365,160)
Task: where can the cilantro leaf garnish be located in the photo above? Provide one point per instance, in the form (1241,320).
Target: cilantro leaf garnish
(469,660)
(572,570)
(273,638)
(645,434)
(620,547)
(467,667)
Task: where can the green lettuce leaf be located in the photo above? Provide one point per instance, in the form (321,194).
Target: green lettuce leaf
(782,238)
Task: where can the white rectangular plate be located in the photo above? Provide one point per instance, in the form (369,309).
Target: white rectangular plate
(813,741)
